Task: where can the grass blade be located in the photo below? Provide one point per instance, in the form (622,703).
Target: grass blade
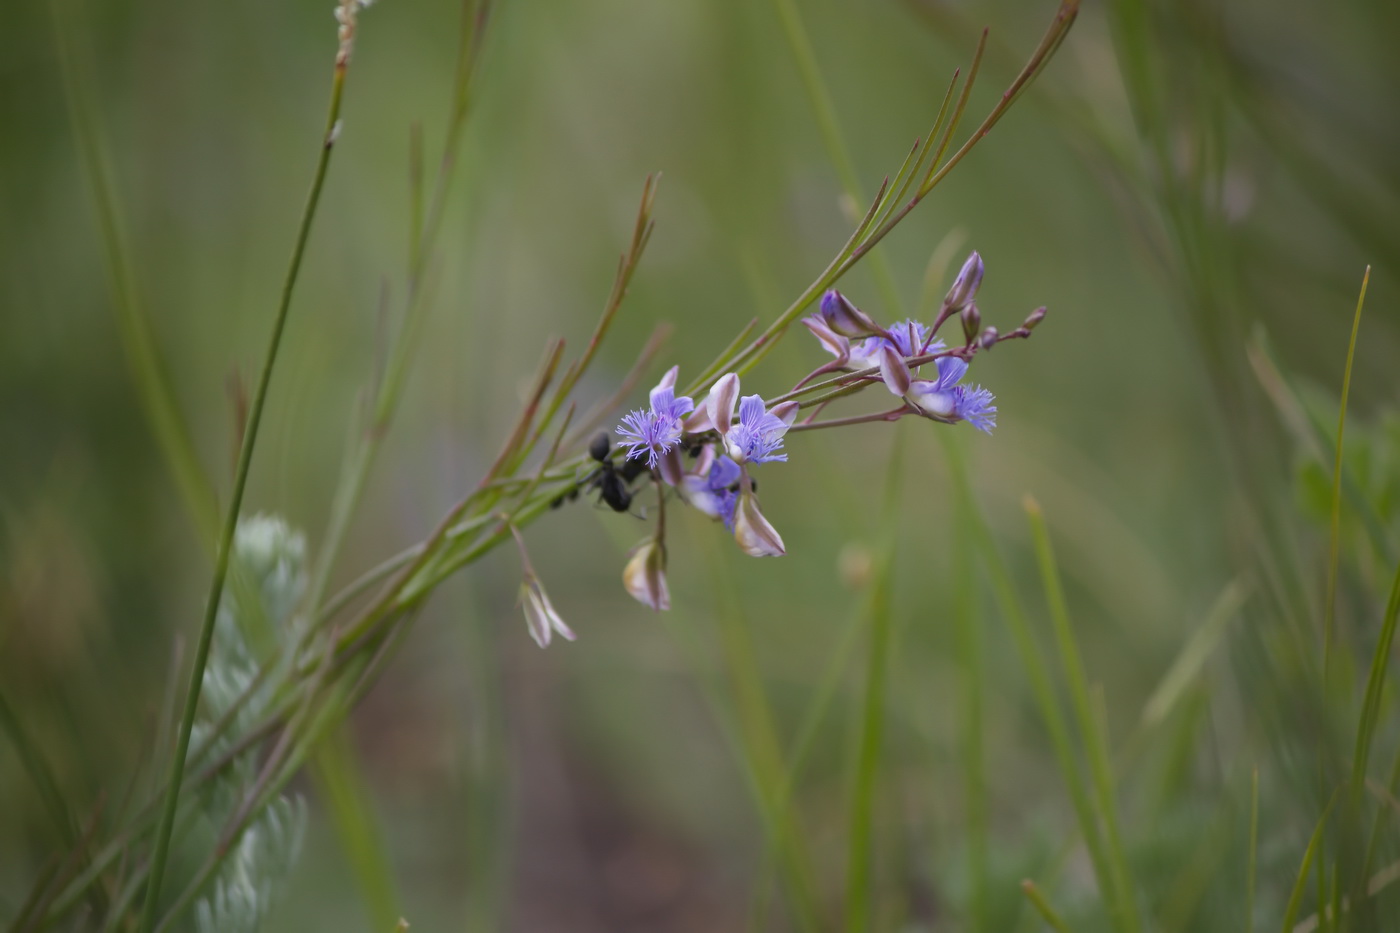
(872,713)
(1334,543)
(1091,729)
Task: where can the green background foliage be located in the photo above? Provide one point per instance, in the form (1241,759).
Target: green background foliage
(1193,189)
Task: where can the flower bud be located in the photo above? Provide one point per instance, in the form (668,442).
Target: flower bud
(965,285)
(971,321)
(786,412)
(540,616)
(1034,318)
(894,371)
(752,531)
(989,337)
(720,403)
(670,467)
(645,575)
(833,342)
(845,318)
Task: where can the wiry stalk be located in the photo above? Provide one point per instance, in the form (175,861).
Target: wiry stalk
(240,482)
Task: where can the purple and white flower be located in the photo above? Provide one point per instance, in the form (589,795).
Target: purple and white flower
(654,431)
(758,435)
(713,487)
(943,399)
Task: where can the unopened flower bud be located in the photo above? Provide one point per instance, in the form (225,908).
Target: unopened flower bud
(720,404)
(894,371)
(971,321)
(786,412)
(989,337)
(833,342)
(752,531)
(845,318)
(540,616)
(645,575)
(1034,318)
(670,467)
(966,284)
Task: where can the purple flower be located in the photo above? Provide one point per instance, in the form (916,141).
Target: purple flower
(944,400)
(758,436)
(713,491)
(656,430)
(906,338)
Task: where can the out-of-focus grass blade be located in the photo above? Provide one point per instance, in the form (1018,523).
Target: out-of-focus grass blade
(1194,654)
(968,625)
(1334,543)
(1375,684)
(338,775)
(1295,900)
(142,356)
(1041,684)
(1042,907)
(1091,730)
(757,744)
(1302,421)
(1253,851)
(872,716)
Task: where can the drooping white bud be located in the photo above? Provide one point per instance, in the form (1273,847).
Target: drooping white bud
(540,616)
(753,532)
(645,575)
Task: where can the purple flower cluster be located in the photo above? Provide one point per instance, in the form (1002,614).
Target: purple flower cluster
(727,435)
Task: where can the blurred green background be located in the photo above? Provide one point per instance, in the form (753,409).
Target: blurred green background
(1186,177)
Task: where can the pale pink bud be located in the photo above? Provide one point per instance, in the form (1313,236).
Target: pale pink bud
(645,575)
(720,404)
(752,531)
(894,371)
(1034,318)
(540,616)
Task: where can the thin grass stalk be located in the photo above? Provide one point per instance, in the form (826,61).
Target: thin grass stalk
(143,358)
(1092,731)
(1253,872)
(760,749)
(1014,614)
(240,481)
(1334,536)
(966,614)
(872,712)
(1295,899)
(800,43)
(1042,907)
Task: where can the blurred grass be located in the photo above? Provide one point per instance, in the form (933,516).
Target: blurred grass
(1184,174)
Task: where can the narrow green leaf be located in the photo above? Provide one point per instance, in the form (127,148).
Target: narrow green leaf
(1334,545)
(1295,900)
(1091,730)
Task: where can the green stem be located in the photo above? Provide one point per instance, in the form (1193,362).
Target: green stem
(240,482)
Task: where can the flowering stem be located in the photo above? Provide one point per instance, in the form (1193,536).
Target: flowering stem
(892,415)
(240,481)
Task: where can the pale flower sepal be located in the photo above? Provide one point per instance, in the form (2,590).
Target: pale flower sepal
(645,576)
(540,616)
(753,532)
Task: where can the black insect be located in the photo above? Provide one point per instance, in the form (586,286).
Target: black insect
(612,481)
